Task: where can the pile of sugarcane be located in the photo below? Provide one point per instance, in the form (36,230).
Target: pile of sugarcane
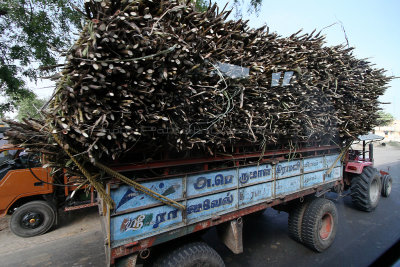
(151,75)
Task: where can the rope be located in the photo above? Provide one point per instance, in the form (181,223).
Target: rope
(99,188)
(139,187)
(337,159)
(122,178)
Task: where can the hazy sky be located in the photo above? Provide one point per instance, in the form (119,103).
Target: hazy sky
(372,27)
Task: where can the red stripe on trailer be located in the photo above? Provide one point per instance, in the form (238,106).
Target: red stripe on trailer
(171,163)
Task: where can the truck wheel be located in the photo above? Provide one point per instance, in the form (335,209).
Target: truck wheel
(192,254)
(386,185)
(365,189)
(295,220)
(33,218)
(319,224)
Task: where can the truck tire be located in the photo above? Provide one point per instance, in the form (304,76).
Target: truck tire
(192,254)
(366,189)
(319,224)
(33,218)
(295,220)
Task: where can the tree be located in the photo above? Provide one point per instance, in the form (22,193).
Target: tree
(32,31)
(29,108)
(201,5)
(385,118)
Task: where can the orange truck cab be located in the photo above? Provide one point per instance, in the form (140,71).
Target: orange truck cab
(16,180)
(28,194)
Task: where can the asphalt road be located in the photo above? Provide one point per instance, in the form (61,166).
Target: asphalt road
(361,237)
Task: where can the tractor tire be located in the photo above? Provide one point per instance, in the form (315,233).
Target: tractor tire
(386,185)
(366,189)
(320,223)
(192,254)
(33,218)
(295,220)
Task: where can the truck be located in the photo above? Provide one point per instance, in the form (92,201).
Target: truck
(221,190)
(30,194)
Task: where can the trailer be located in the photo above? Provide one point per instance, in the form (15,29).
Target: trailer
(219,191)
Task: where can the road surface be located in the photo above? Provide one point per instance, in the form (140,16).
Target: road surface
(361,237)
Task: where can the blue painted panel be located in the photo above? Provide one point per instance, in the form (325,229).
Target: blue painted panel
(287,185)
(152,221)
(313,178)
(204,207)
(329,160)
(144,223)
(127,197)
(335,174)
(255,174)
(288,168)
(212,181)
(255,194)
(313,164)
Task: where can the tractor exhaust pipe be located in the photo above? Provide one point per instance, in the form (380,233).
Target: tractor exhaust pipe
(371,152)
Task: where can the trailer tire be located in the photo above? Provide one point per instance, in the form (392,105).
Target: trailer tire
(319,224)
(192,254)
(386,185)
(33,218)
(366,189)
(295,220)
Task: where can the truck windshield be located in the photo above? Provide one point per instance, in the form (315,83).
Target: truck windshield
(7,155)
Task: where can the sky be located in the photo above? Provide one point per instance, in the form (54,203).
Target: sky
(372,27)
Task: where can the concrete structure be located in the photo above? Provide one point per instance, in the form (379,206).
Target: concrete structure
(390,132)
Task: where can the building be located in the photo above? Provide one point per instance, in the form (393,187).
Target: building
(390,132)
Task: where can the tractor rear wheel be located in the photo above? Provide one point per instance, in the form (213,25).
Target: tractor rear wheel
(366,189)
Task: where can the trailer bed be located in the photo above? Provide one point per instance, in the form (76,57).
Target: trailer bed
(209,196)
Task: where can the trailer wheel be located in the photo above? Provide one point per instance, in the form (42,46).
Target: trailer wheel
(386,185)
(33,218)
(319,224)
(295,220)
(366,189)
(192,254)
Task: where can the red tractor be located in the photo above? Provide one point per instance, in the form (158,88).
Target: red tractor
(365,182)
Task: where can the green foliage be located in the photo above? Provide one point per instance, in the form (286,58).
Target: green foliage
(201,5)
(12,87)
(31,31)
(28,108)
(385,118)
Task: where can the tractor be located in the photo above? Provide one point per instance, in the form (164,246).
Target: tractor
(365,182)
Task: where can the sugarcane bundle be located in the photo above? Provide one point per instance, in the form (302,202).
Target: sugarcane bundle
(157,75)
